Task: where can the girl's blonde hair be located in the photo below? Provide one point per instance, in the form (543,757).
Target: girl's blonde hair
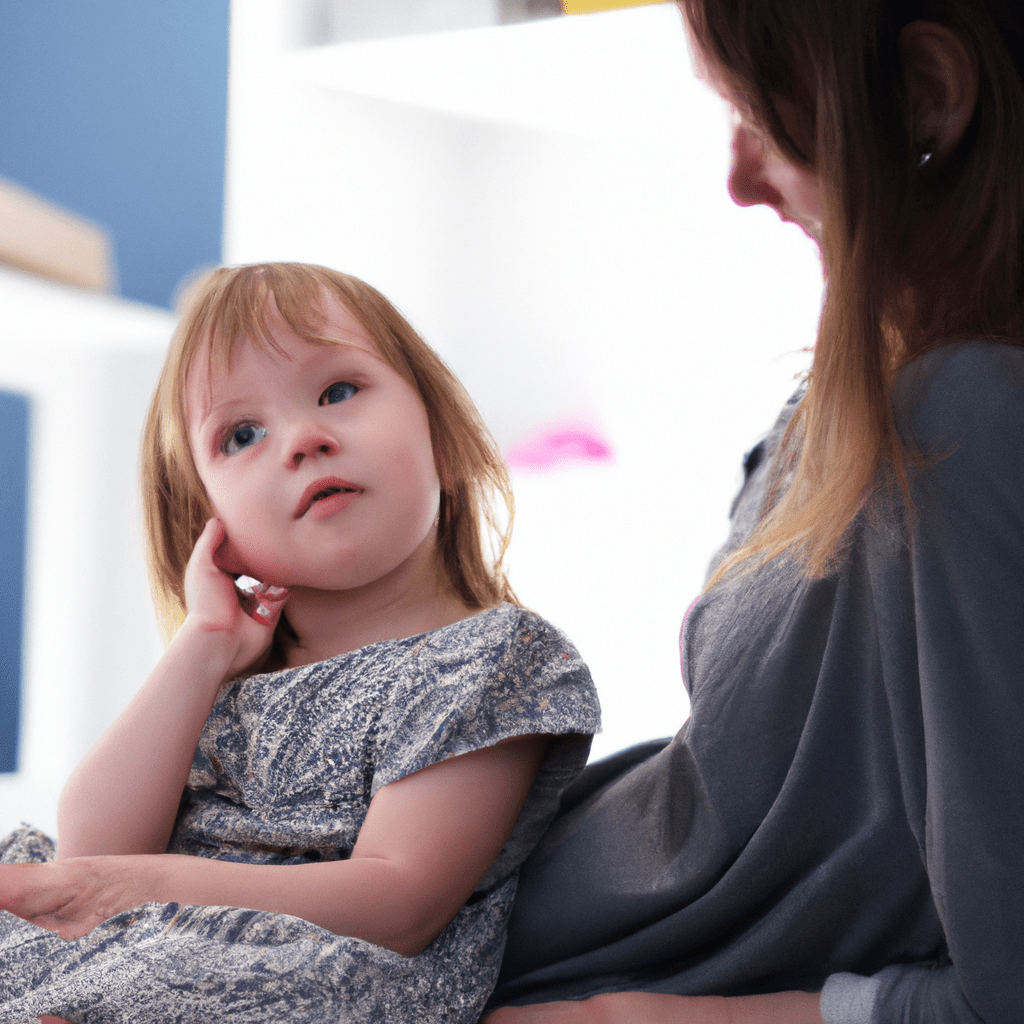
(231,305)
(919,253)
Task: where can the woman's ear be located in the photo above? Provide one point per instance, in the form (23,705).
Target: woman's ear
(942,85)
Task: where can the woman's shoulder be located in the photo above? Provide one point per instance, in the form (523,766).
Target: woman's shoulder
(960,411)
(963,389)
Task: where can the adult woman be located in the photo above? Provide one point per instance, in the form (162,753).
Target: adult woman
(838,834)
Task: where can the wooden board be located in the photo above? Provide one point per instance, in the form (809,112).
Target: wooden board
(41,237)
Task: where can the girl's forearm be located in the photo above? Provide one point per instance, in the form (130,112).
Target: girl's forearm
(124,796)
(367,898)
(403,883)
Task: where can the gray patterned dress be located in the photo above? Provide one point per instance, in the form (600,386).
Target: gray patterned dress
(285,770)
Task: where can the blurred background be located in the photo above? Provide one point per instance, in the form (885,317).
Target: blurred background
(542,192)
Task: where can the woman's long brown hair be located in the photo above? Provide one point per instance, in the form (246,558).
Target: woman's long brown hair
(917,255)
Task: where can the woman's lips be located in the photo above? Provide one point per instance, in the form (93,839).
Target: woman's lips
(326,496)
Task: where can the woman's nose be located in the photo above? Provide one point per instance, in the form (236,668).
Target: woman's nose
(749,184)
(310,440)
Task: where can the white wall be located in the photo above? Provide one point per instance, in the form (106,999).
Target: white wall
(89,364)
(546,202)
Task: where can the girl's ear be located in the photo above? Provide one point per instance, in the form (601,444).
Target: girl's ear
(942,85)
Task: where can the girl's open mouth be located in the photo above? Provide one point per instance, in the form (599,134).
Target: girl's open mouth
(326,496)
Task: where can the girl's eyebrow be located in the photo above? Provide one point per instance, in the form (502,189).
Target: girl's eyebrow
(215,409)
(216,413)
(351,348)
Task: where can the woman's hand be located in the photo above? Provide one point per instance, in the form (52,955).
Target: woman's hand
(71,897)
(216,606)
(656,1008)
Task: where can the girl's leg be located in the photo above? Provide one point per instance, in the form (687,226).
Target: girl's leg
(164,963)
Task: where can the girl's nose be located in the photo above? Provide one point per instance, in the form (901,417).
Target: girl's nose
(748,181)
(310,440)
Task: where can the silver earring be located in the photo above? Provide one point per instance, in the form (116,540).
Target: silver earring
(925,157)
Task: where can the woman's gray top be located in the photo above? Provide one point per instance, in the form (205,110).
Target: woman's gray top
(845,806)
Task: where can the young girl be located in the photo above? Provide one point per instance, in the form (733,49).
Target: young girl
(363,770)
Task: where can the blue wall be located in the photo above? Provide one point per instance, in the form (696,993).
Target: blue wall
(13,489)
(116,109)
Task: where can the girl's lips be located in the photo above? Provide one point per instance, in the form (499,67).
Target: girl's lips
(326,491)
(324,508)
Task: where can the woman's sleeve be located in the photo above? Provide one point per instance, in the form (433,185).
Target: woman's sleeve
(965,406)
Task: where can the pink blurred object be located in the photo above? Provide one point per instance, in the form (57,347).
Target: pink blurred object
(554,445)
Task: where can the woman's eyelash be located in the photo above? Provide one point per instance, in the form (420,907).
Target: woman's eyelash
(241,436)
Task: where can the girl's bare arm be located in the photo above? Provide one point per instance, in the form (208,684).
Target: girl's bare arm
(426,842)
(124,796)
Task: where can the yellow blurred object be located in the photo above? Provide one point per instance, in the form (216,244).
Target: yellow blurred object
(590,6)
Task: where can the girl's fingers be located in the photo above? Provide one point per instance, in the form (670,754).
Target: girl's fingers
(203,558)
(210,539)
(268,612)
(225,557)
(238,606)
(34,892)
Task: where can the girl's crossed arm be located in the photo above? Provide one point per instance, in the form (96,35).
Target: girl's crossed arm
(425,843)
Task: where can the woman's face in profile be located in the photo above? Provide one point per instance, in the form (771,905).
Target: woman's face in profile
(759,174)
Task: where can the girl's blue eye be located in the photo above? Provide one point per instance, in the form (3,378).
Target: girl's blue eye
(242,436)
(340,392)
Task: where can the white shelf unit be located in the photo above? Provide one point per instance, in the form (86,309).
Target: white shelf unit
(88,364)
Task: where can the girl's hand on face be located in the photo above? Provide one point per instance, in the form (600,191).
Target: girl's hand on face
(71,897)
(215,603)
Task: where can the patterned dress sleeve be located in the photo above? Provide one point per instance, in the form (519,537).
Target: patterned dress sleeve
(502,674)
